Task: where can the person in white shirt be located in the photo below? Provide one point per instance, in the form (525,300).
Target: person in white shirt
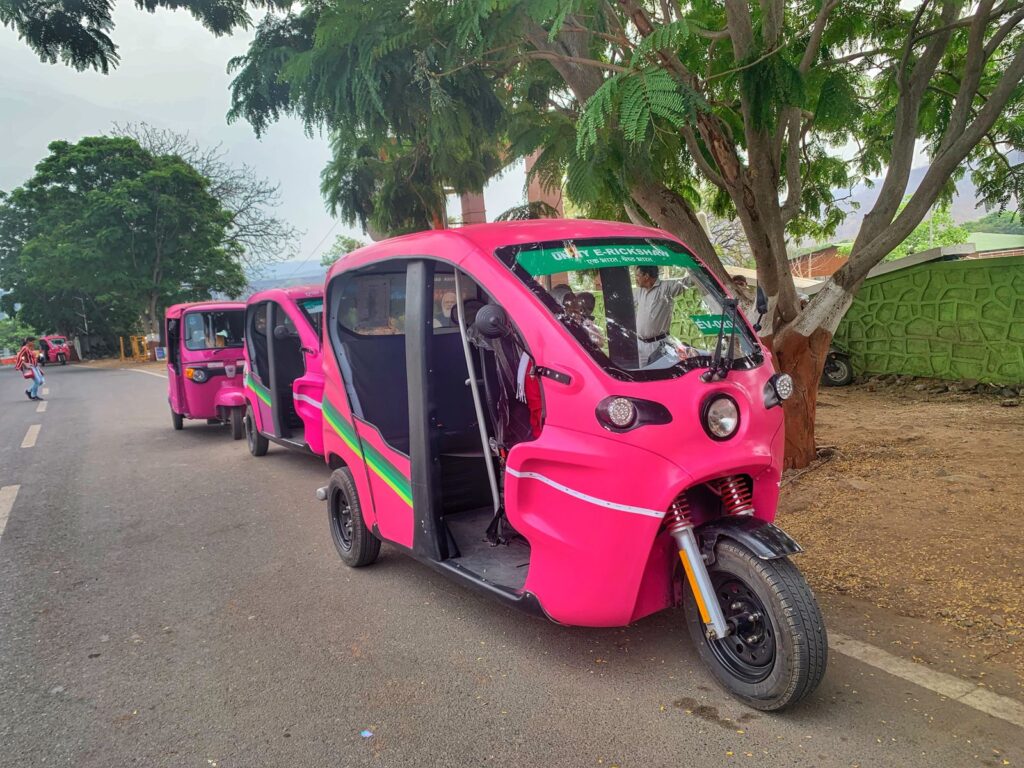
(654,300)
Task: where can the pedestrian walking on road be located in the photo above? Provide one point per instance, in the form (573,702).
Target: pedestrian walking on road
(28,364)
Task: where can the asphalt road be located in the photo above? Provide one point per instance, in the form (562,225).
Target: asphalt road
(168,600)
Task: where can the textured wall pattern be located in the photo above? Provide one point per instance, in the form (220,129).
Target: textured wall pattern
(947,320)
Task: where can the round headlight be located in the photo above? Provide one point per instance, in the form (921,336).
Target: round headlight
(721,417)
(199,375)
(621,412)
(783,384)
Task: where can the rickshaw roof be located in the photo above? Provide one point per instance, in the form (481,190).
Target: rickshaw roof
(293,293)
(54,336)
(177,310)
(488,238)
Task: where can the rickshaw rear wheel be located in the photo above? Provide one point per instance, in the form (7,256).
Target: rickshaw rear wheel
(237,427)
(177,420)
(778,650)
(355,543)
(257,443)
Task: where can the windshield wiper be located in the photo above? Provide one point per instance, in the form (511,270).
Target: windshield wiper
(720,366)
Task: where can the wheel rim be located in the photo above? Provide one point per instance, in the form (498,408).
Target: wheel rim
(836,371)
(748,653)
(341,518)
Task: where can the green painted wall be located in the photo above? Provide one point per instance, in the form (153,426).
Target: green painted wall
(946,320)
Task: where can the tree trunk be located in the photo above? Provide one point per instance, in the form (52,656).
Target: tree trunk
(803,358)
(672,213)
(154,321)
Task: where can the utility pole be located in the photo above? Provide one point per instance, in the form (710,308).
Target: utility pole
(81,314)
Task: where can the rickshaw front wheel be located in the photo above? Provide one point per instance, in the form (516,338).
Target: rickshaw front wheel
(777,651)
(257,443)
(177,420)
(355,543)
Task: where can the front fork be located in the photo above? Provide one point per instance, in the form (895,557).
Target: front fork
(715,625)
(681,528)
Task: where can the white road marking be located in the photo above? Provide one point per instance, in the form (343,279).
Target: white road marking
(46,391)
(31,436)
(964,691)
(41,408)
(7,496)
(149,373)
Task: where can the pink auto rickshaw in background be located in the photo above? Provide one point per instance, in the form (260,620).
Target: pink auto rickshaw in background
(558,454)
(284,379)
(54,349)
(205,363)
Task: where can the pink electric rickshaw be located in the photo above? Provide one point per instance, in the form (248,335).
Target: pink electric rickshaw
(205,361)
(54,349)
(284,379)
(573,417)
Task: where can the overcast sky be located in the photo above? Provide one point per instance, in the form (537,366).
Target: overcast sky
(172,75)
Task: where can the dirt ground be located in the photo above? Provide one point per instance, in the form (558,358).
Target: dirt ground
(920,511)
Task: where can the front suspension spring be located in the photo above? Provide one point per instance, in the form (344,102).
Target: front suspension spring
(678,517)
(736,496)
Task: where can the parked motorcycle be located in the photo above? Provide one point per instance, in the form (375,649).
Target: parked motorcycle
(838,371)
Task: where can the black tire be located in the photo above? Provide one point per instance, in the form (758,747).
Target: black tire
(257,443)
(789,660)
(237,427)
(838,371)
(177,420)
(356,545)
(62,359)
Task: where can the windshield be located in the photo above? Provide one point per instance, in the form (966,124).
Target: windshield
(214,330)
(313,309)
(644,309)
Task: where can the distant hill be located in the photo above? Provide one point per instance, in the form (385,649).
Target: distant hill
(965,206)
(285,274)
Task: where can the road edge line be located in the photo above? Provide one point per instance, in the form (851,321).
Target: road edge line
(949,686)
(8,495)
(148,373)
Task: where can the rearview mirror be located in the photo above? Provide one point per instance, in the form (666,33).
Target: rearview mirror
(762,301)
(492,322)
(281,332)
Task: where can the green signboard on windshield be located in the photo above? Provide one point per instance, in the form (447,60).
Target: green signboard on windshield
(569,257)
(709,324)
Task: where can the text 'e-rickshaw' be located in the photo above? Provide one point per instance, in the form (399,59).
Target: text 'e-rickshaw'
(205,363)
(573,417)
(284,379)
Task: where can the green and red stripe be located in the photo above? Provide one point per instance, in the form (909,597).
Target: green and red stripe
(389,474)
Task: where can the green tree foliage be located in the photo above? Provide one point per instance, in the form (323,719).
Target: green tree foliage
(106,229)
(405,130)
(78,32)
(13,332)
(935,231)
(1003,222)
(343,244)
